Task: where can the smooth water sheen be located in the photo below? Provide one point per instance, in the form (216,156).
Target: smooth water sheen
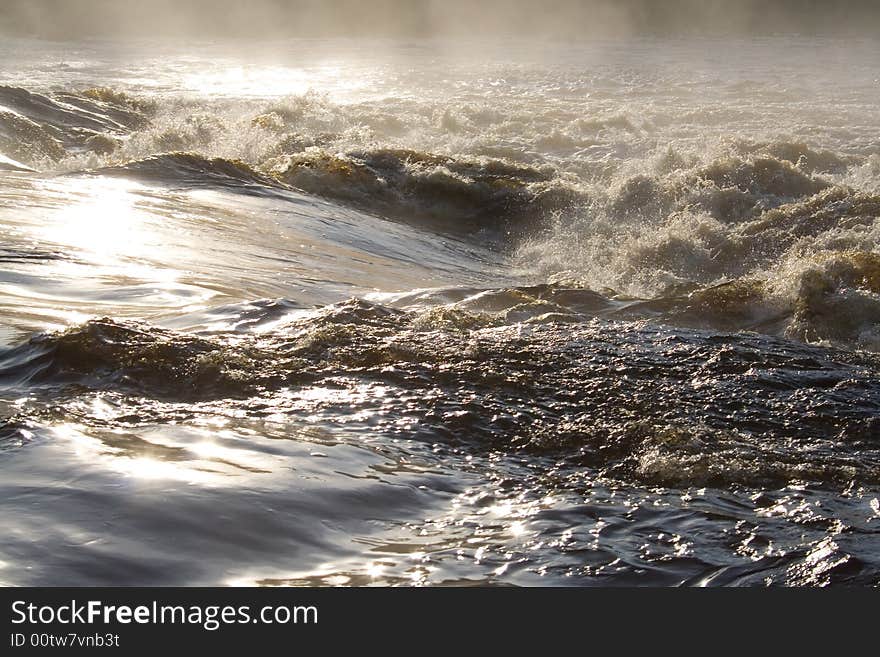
(347,312)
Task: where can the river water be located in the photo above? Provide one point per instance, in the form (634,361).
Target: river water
(341,312)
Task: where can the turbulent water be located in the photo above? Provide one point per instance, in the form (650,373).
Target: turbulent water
(347,312)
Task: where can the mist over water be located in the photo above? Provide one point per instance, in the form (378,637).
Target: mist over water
(327,294)
(553,19)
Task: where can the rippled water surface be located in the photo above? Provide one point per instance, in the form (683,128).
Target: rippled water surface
(345,313)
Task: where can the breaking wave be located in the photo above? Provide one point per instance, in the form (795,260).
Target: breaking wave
(40,130)
(190,169)
(406,183)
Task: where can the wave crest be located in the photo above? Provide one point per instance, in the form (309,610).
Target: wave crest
(411,184)
(192,169)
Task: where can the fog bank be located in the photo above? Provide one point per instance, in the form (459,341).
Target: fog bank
(568,19)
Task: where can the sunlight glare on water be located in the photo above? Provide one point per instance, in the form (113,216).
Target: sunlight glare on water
(102,223)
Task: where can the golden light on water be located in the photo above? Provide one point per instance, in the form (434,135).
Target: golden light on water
(102,221)
(116,250)
(262,81)
(245,81)
(192,456)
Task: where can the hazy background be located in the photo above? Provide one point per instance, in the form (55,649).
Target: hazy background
(545,18)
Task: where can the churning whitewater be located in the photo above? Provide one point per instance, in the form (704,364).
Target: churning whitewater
(346,312)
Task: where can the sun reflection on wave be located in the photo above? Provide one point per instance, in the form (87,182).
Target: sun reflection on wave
(247,81)
(239,81)
(190,455)
(101,221)
(112,248)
